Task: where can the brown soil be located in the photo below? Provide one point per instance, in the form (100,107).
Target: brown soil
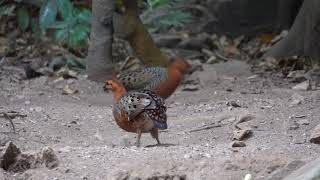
(81,130)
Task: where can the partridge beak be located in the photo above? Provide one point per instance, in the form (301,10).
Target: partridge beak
(107,86)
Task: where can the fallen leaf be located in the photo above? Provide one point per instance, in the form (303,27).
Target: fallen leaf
(68,90)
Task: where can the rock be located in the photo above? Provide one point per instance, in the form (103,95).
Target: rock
(241,134)
(315,135)
(310,171)
(283,172)
(238,144)
(233,104)
(190,87)
(11,159)
(118,175)
(8,155)
(294,126)
(273,168)
(297,76)
(304,86)
(303,122)
(167,40)
(296,99)
(46,71)
(49,158)
(25,162)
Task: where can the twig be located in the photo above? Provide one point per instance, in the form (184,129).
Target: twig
(222,57)
(206,127)
(207,52)
(12,114)
(6,116)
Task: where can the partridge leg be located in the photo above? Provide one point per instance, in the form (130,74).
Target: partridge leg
(139,132)
(155,134)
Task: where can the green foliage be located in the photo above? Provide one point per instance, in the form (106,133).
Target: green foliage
(7,10)
(66,23)
(23,18)
(73,26)
(161,16)
(22,14)
(48,13)
(70,25)
(65,9)
(153,4)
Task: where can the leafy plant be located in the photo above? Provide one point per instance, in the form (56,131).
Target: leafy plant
(23,18)
(21,12)
(73,26)
(161,16)
(7,10)
(153,4)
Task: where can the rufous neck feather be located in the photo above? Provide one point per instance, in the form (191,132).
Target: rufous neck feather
(118,92)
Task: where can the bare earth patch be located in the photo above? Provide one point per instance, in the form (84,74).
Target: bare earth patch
(198,144)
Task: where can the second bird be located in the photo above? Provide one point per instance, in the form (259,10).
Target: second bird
(161,80)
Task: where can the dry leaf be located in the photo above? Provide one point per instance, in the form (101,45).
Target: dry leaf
(68,90)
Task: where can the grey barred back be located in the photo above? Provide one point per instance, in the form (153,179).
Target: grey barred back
(146,78)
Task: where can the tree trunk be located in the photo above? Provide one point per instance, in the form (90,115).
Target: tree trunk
(304,36)
(99,60)
(129,26)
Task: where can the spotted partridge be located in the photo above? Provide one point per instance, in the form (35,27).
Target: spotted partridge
(138,111)
(161,80)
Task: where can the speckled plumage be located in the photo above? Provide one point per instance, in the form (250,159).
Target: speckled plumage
(138,111)
(161,80)
(145,103)
(145,78)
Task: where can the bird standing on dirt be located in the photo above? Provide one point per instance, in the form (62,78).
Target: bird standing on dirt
(139,111)
(161,80)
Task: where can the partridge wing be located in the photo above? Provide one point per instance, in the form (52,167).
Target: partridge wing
(134,103)
(158,114)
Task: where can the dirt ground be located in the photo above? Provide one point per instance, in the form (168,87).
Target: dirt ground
(197,145)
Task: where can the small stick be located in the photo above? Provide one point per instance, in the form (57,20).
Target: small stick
(6,116)
(206,127)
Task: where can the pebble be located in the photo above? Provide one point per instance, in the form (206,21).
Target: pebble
(238,144)
(304,86)
(315,135)
(303,122)
(241,134)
